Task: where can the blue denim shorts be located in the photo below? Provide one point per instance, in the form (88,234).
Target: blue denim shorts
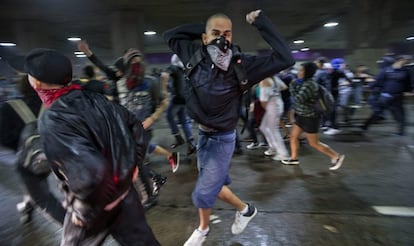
(214,154)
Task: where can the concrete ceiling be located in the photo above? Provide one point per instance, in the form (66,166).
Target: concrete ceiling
(91,19)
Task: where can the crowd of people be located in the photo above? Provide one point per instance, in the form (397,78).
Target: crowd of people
(96,133)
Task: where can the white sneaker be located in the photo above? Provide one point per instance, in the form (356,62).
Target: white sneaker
(331,131)
(196,239)
(270,152)
(252,146)
(241,221)
(337,163)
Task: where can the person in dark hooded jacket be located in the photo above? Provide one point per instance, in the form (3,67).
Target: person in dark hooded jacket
(95,147)
(214,101)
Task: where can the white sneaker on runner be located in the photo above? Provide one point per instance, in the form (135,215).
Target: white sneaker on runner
(241,221)
(338,163)
(196,239)
(252,146)
(270,152)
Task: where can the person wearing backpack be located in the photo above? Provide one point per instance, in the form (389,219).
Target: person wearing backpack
(18,123)
(217,80)
(141,94)
(304,91)
(11,124)
(95,147)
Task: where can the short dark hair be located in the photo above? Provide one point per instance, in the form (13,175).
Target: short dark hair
(321,60)
(215,16)
(310,69)
(89,71)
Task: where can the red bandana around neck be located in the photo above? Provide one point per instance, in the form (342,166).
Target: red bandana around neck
(48,96)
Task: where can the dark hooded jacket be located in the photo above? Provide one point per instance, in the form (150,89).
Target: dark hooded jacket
(94,146)
(218,92)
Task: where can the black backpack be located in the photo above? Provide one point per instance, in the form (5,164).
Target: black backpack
(325,102)
(30,155)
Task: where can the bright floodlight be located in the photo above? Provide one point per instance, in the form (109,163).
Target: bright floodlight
(74,39)
(331,24)
(299,41)
(411,38)
(7,44)
(304,49)
(149,33)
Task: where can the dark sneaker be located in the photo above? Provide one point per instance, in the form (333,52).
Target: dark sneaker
(337,163)
(238,151)
(25,210)
(290,161)
(174,160)
(191,148)
(158,181)
(178,141)
(150,202)
(242,220)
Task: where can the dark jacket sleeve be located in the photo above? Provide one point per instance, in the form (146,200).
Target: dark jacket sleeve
(181,40)
(260,67)
(138,134)
(110,73)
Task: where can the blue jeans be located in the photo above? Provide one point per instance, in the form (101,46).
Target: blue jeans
(180,111)
(214,154)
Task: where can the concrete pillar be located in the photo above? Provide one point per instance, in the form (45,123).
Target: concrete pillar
(369,28)
(367,32)
(126,31)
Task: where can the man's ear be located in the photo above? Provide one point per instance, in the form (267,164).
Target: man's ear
(204,38)
(39,84)
(35,83)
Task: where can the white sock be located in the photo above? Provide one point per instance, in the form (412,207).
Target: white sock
(245,210)
(204,232)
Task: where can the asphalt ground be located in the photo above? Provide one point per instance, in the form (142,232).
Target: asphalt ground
(369,201)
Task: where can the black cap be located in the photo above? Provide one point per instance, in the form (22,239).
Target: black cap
(48,66)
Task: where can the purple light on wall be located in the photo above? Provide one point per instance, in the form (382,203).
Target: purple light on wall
(158,58)
(311,54)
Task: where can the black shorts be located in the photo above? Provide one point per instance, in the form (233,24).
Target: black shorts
(308,124)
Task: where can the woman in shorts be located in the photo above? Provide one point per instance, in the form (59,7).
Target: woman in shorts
(304,92)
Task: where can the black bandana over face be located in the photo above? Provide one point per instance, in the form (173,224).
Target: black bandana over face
(220,52)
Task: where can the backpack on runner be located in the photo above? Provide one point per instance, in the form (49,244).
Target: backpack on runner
(30,155)
(325,102)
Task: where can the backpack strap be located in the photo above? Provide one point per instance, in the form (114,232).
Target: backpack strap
(238,66)
(21,108)
(194,60)
(240,73)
